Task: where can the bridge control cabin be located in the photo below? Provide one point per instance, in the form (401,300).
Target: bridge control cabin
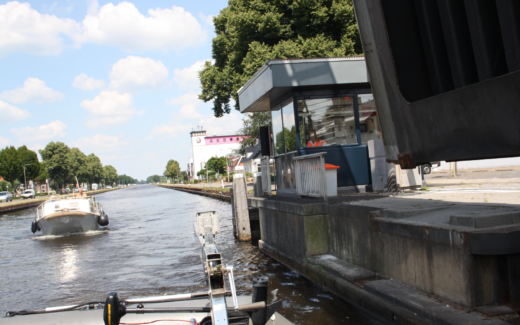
(316,105)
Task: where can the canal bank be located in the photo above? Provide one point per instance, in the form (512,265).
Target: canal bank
(21,204)
(220,194)
(444,256)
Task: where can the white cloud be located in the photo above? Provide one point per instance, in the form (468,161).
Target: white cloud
(208,20)
(44,132)
(136,74)
(171,129)
(100,142)
(83,82)
(125,27)
(110,107)
(228,124)
(188,105)
(23,29)
(4,142)
(188,78)
(9,113)
(33,89)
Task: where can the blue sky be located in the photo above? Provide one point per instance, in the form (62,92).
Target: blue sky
(118,79)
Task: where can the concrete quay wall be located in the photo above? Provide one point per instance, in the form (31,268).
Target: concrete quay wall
(434,260)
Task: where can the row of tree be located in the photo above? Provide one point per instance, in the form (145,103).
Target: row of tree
(60,163)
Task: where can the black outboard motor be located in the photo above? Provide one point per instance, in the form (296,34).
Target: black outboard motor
(114,310)
(103,219)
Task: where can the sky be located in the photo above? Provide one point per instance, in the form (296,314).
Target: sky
(117,79)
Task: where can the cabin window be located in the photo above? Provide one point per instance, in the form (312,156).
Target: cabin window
(210,141)
(327,121)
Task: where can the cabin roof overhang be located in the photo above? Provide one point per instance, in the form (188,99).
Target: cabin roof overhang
(277,78)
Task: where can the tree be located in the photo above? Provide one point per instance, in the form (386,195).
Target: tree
(251,32)
(153,179)
(94,169)
(56,156)
(10,164)
(29,157)
(79,168)
(251,129)
(44,175)
(110,174)
(217,164)
(172,169)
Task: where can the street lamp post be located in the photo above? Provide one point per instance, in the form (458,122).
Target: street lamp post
(24,179)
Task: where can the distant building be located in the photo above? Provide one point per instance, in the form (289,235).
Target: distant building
(205,146)
(251,162)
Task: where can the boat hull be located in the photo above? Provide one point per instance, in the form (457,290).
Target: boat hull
(65,222)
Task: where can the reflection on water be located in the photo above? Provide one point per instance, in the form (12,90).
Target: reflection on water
(148,249)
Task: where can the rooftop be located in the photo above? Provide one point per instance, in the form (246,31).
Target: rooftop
(276,79)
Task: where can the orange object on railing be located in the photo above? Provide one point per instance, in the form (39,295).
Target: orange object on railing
(329,166)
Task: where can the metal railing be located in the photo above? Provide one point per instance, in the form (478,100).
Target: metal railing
(266,175)
(310,175)
(93,206)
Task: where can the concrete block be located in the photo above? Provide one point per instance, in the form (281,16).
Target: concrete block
(515,218)
(379,173)
(316,235)
(429,308)
(481,221)
(376,148)
(241,211)
(342,269)
(257,184)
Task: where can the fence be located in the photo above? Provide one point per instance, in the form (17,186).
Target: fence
(266,174)
(310,175)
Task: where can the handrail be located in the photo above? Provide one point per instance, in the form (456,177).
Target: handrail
(310,175)
(266,175)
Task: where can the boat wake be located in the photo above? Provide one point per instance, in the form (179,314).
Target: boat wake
(87,233)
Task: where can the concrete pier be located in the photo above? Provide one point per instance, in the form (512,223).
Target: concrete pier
(454,257)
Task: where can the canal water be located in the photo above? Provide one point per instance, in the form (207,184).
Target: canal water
(148,249)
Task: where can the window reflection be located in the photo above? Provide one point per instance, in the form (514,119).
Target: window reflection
(276,120)
(327,121)
(368,119)
(289,127)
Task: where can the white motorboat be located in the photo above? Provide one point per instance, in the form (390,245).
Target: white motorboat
(69,214)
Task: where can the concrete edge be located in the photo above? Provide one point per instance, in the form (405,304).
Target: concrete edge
(215,196)
(351,293)
(356,294)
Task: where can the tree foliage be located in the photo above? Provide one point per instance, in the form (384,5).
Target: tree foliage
(57,158)
(251,32)
(172,168)
(109,174)
(30,158)
(217,165)
(94,169)
(78,161)
(153,179)
(10,164)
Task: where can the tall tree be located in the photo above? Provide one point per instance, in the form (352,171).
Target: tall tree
(56,156)
(79,169)
(217,164)
(10,164)
(94,169)
(110,174)
(172,168)
(251,32)
(30,158)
